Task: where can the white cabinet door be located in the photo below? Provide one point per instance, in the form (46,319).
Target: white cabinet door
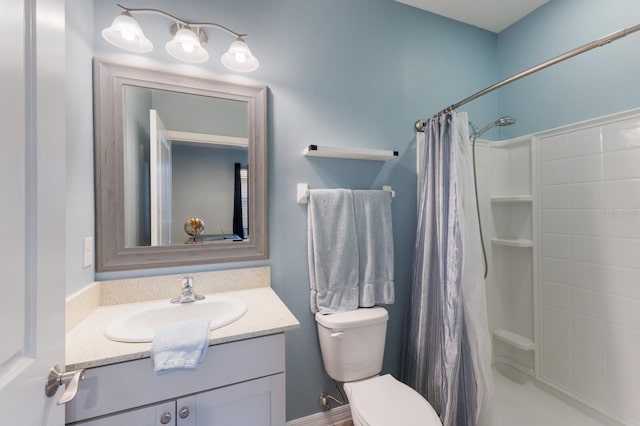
(155,415)
(32,190)
(253,403)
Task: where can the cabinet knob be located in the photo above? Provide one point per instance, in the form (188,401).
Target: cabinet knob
(184,412)
(165,418)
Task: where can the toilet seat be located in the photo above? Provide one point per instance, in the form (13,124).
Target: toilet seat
(384,401)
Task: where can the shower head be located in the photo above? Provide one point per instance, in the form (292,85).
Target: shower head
(500,122)
(505,121)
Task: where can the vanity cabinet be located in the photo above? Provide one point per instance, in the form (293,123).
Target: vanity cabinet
(239,383)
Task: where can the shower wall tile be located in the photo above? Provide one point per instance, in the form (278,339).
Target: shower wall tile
(556,271)
(602,222)
(588,303)
(586,169)
(557,296)
(589,276)
(623,311)
(624,282)
(624,371)
(621,135)
(556,246)
(554,172)
(554,197)
(557,345)
(554,221)
(558,320)
(623,341)
(587,222)
(554,148)
(623,400)
(557,370)
(621,252)
(590,358)
(622,165)
(589,330)
(622,195)
(585,196)
(589,245)
(585,142)
(589,385)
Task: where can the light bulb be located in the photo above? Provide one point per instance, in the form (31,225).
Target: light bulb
(127,35)
(186,46)
(125,32)
(241,57)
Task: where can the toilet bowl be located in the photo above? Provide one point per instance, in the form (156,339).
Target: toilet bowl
(352,345)
(384,401)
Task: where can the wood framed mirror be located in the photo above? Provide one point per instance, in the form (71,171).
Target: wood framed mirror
(180,169)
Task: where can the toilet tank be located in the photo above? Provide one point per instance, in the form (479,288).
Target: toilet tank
(352,342)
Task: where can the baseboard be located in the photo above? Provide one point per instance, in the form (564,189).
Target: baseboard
(324,418)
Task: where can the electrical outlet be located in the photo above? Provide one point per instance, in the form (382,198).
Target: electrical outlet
(87,252)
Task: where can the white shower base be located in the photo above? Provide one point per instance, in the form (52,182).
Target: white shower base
(528,405)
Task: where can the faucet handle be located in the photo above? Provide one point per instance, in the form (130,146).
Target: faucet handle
(187,295)
(186,283)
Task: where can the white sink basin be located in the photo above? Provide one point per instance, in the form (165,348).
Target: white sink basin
(141,324)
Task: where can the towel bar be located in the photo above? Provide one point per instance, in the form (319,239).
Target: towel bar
(303,192)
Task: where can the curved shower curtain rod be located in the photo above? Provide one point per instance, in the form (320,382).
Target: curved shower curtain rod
(421,124)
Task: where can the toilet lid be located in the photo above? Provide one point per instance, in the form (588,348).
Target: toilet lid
(384,401)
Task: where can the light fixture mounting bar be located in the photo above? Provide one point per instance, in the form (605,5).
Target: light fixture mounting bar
(182,21)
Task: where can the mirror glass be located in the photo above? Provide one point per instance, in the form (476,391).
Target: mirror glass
(182,155)
(180,169)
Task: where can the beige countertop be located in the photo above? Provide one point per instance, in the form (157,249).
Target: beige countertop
(87,347)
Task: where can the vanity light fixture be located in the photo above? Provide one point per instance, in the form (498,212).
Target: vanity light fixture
(187,42)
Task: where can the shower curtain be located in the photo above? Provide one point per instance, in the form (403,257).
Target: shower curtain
(447,355)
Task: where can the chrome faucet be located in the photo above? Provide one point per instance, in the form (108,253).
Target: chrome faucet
(187,295)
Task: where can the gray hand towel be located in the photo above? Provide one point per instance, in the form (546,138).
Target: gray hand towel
(374,233)
(332,251)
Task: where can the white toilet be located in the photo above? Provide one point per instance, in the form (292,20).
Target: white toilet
(352,345)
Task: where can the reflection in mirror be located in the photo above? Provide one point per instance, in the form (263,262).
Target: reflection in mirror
(185,157)
(181,174)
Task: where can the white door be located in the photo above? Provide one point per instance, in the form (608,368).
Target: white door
(32,194)
(160,181)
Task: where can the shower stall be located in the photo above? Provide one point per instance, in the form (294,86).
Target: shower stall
(561,216)
(561,220)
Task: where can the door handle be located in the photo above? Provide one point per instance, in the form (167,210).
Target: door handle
(57,378)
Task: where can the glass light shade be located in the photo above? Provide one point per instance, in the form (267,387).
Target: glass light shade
(239,57)
(125,33)
(186,47)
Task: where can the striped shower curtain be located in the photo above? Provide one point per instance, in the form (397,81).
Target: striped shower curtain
(447,353)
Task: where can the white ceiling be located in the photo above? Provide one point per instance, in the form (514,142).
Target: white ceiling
(492,15)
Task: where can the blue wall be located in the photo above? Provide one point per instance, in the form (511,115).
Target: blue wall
(354,73)
(600,82)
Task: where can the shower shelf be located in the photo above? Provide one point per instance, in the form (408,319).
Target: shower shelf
(512,243)
(514,339)
(350,153)
(512,199)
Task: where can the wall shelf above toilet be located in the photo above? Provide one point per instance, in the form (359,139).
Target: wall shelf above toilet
(349,153)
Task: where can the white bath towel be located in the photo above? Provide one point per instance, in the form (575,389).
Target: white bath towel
(332,251)
(374,233)
(182,345)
